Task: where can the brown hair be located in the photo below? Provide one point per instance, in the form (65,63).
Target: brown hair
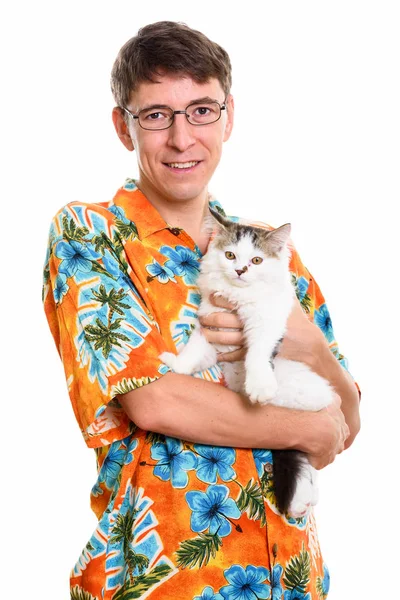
(168,47)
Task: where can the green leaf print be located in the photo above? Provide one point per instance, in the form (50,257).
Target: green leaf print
(155,438)
(72,232)
(105,336)
(127,385)
(78,593)
(123,532)
(101,242)
(297,572)
(127,230)
(112,298)
(267,486)
(305,301)
(142,583)
(251,500)
(320,588)
(198,551)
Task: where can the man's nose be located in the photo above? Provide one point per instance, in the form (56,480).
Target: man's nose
(241,271)
(181,133)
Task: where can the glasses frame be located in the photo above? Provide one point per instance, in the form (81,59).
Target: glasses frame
(176,112)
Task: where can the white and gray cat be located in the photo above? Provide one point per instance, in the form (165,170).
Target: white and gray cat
(249,266)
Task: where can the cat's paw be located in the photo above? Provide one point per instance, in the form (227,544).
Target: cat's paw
(169,359)
(176,363)
(261,390)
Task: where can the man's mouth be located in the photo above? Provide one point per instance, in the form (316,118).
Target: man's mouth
(182,165)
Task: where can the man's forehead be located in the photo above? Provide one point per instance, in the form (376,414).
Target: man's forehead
(174,90)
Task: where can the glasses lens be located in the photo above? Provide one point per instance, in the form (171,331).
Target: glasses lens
(156,118)
(204,113)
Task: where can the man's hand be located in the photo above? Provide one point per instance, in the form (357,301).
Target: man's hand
(332,434)
(303,340)
(214,328)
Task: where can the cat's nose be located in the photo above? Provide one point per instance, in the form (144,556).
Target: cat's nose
(241,271)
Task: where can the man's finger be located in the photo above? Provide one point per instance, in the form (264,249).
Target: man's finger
(221,302)
(221,320)
(232,356)
(228,338)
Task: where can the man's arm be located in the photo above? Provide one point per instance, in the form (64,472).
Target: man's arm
(304,342)
(200,411)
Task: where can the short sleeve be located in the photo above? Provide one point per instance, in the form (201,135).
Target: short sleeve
(313,303)
(107,338)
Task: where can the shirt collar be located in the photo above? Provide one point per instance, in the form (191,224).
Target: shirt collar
(138,209)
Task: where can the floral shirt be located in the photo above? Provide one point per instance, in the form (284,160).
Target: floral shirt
(176,520)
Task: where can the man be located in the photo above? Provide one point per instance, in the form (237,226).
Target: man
(186,510)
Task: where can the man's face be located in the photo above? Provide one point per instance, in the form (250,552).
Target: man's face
(181,143)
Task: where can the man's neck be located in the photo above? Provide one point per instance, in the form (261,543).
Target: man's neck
(183,214)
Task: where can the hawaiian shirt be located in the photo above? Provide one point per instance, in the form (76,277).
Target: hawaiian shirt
(176,520)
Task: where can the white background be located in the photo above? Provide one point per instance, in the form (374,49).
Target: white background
(316,143)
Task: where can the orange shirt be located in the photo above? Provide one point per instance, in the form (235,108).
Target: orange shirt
(175,519)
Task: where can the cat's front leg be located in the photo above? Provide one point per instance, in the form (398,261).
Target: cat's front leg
(260,385)
(198,354)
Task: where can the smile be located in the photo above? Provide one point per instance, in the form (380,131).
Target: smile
(182,165)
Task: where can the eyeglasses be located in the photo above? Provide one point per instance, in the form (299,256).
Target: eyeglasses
(161,117)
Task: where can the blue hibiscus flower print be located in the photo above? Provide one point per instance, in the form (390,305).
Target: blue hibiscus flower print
(163,274)
(326,582)
(118,212)
(261,458)
(246,584)
(213,510)
(61,287)
(276,582)
(183,262)
(75,257)
(323,320)
(112,465)
(208,594)
(213,461)
(301,287)
(173,462)
(296,595)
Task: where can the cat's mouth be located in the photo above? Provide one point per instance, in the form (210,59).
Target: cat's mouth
(238,280)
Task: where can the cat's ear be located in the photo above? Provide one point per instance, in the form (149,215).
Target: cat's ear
(278,238)
(215,220)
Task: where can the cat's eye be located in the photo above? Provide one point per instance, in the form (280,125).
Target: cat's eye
(257,260)
(229,255)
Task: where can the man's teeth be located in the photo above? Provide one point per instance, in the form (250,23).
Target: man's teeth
(185,165)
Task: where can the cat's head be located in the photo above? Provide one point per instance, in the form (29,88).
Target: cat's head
(244,254)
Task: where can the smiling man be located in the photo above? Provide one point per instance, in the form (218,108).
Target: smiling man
(184,495)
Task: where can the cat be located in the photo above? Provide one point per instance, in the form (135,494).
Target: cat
(249,266)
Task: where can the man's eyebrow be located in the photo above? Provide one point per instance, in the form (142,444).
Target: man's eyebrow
(151,106)
(204,99)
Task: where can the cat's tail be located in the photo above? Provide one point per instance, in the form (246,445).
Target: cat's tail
(288,466)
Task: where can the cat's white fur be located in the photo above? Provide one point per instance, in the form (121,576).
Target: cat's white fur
(264,297)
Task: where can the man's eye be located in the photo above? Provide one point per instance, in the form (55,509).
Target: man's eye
(230,255)
(202,111)
(154,116)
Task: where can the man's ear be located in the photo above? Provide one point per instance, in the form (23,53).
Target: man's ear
(230,109)
(121,128)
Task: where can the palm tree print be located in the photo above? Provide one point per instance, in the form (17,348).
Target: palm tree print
(123,532)
(73,233)
(113,299)
(105,336)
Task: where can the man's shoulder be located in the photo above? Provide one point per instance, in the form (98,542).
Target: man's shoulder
(90,215)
